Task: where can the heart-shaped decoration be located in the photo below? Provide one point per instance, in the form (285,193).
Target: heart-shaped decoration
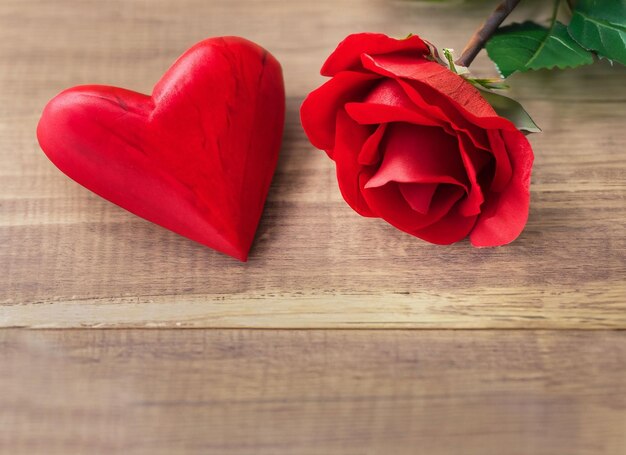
(196,157)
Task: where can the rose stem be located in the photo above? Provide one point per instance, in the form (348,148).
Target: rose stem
(484,32)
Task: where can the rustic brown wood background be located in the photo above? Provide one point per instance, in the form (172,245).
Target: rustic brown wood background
(69,259)
(313,392)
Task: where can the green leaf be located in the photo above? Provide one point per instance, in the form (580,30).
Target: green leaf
(529,46)
(512,110)
(600,25)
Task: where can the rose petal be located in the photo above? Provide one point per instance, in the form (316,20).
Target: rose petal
(489,140)
(434,75)
(347,56)
(450,229)
(370,154)
(419,154)
(418,195)
(504,214)
(319,109)
(503,171)
(351,176)
(473,163)
(388,203)
(440,108)
(459,94)
(374,114)
(387,102)
(390,93)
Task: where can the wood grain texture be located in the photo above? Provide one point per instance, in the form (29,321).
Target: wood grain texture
(312,392)
(70,259)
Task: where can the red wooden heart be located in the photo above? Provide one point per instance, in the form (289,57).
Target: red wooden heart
(197,157)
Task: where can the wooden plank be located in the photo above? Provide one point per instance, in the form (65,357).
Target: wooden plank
(312,392)
(70,259)
(477,308)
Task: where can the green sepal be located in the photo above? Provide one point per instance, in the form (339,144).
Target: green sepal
(511,110)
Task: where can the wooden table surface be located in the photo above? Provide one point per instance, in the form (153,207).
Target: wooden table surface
(71,260)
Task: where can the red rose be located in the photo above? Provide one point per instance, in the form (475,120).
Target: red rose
(417,145)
